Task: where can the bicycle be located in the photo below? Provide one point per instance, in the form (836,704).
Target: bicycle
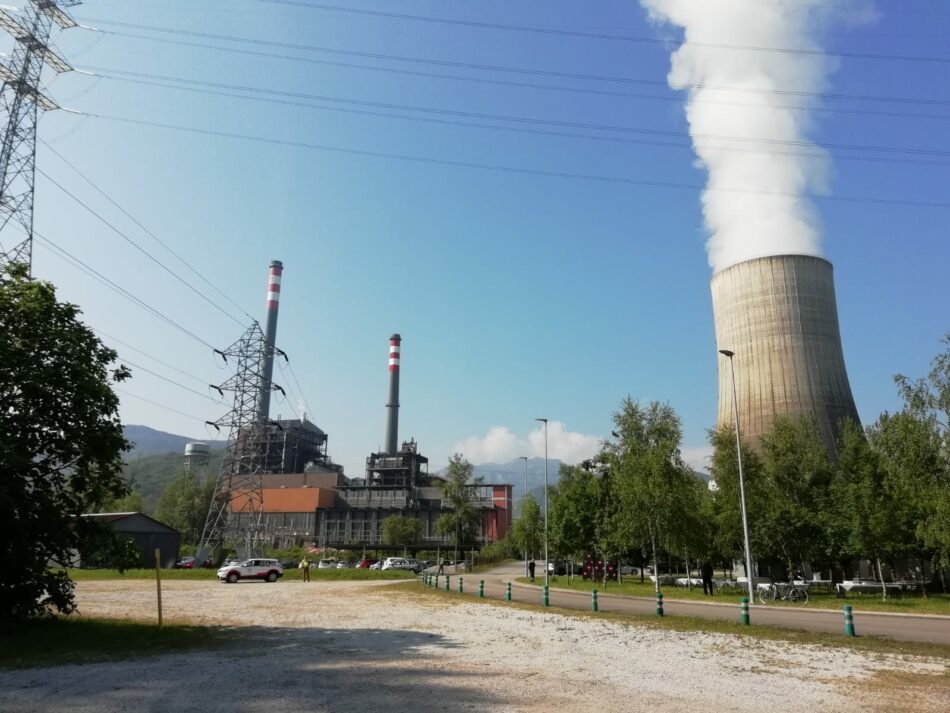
(786,592)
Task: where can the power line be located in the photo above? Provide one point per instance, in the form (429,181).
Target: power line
(518,170)
(601,35)
(495,68)
(171,381)
(178,257)
(299,390)
(98,276)
(523,130)
(544,87)
(525,120)
(155,403)
(150,356)
(139,247)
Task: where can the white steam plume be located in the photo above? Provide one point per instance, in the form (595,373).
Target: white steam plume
(748,225)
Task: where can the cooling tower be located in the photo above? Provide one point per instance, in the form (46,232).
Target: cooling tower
(779,316)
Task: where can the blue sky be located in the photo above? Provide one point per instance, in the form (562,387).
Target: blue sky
(517,295)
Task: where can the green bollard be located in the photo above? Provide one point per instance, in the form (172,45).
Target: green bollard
(744,611)
(546,600)
(481,589)
(507,591)
(447,578)
(659,603)
(848,621)
(435,581)
(461,590)
(593,600)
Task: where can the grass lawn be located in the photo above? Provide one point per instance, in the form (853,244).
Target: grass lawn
(873,644)
(83,575)
(910,604)
(73,640)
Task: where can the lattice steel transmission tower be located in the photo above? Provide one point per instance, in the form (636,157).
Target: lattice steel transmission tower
(238,495)
(21,100)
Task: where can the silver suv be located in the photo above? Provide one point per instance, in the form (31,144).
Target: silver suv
(265,570)
(409,565)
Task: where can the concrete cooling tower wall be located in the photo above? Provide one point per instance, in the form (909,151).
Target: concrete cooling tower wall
(779,316)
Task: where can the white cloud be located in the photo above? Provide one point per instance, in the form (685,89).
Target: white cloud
(500,445)
(698,457)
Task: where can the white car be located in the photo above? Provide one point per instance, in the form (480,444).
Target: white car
(264,570)
(327,564)
(400,563)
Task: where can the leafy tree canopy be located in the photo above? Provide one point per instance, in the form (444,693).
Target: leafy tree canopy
(61,441)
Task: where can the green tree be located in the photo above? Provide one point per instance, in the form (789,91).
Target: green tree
(652,492)
(877,522)
(184,505)
(459,490)
(797,476)
(527,531)
(130,502)
(61,441)
(927,401)
(726,502)
(574,509)
(401,531)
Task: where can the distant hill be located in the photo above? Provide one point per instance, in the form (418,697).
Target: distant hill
(148,441)
(157,457)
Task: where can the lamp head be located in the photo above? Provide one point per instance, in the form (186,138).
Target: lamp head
(727,353)
(543,420)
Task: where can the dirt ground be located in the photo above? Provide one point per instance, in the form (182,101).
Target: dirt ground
(356,646)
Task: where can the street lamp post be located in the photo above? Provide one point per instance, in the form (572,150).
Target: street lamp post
(547,565)
(524,499)
(745,520)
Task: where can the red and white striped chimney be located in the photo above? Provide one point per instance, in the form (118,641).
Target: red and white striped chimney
(270,335)
(392,408)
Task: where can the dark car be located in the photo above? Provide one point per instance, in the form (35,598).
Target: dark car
(366,563)
(189,563)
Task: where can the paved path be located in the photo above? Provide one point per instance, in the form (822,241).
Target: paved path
(925,628)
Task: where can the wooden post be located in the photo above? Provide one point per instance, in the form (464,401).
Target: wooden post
(158,582)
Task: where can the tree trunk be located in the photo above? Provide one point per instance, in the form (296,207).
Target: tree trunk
(880,574)
(689,580)
(923,581)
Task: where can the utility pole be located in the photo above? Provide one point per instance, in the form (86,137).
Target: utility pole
(21,99)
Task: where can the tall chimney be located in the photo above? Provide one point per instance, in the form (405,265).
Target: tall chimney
(270,335)
(392,408)
(779,315)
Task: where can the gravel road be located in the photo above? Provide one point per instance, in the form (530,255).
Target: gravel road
(356,646)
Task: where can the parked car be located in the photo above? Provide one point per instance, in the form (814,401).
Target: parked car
(329,563)
(264,570)
(189,563)
(345,564)
(557,568)
(366,564)
(400,563)
(629,571)
(377,565)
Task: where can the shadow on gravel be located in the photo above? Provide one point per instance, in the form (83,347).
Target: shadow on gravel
(261,669)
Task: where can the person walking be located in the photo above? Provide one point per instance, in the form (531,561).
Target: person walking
(305,566)
(531,570)
(707,573)
(441,567)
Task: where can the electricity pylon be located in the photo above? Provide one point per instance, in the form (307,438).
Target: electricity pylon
(21,99)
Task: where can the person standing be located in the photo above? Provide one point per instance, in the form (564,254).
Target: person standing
(531,570)
(305,566)
(707,573)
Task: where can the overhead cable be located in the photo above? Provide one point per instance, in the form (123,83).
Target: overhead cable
(518,170)
(602,35)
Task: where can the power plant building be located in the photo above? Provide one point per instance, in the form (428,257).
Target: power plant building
(779,317)
(397,482)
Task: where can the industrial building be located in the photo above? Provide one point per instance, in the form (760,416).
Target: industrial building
(278,486)
(148,534)
(779,317)
(397,482)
